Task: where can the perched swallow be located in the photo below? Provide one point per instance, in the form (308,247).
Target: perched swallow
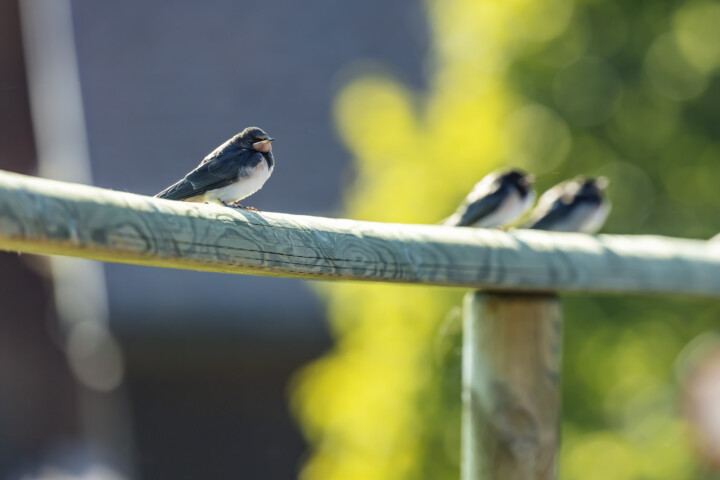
(234,170)
(577,205)
(496,200)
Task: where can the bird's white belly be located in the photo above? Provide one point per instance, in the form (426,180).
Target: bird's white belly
(595,220)
(510,210)
(583,219)
(244,187)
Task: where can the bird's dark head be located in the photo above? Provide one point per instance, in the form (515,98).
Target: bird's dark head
(594,185)
(589,187)
(518,178)
(255,138)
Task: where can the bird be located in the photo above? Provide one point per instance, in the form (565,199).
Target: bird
(233,171)
(577,205)
(498,199)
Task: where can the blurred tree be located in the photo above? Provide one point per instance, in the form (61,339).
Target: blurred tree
(558,87)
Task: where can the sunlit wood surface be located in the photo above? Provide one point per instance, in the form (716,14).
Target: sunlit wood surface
(55,218)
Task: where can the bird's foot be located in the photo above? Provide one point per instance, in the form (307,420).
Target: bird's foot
(238,205)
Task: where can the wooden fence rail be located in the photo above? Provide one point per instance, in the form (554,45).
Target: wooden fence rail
(55,218)
(512,345)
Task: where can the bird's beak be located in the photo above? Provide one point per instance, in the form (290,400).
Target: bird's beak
(263,145)
(529,179)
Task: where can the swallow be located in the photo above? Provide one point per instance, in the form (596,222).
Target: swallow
(498,199)
(234,170)
(577,205)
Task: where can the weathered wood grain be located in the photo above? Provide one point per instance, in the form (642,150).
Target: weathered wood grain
(511,396)
(55,218)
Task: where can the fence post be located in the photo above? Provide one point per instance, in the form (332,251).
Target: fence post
(512,347)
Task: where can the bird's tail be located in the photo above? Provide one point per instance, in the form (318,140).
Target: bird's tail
(177,191)
(164,193)
(451,221)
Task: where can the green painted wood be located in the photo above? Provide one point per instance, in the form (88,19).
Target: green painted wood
(512,347)
(55,218)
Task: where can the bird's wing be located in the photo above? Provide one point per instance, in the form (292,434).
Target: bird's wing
(551,207)
(550,217)
(475,211)
(216,171)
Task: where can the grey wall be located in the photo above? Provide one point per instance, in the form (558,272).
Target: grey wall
(165,82)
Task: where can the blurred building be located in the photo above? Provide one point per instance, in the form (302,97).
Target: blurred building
(208,356)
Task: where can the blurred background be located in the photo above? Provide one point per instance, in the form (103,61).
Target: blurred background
(382,111)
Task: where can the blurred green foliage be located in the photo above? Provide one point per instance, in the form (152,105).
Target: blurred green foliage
(624,89)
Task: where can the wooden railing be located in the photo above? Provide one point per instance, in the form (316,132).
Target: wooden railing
(512,346)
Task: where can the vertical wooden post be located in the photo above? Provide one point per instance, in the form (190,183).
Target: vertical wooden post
(511,377)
